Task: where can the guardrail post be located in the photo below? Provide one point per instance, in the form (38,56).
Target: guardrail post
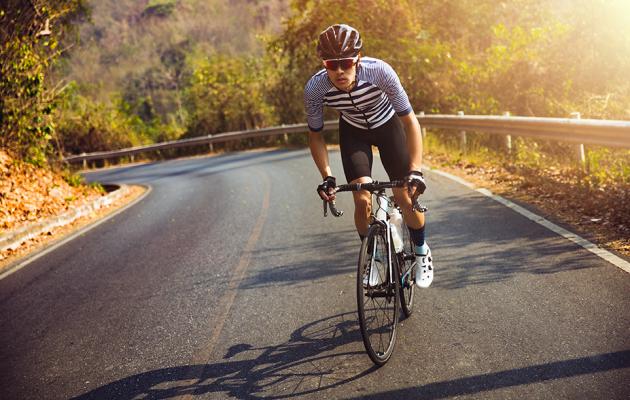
(423,132)
(581,152)
(132,158)
(508,137)
(84,161)
(462,136)
(285,136)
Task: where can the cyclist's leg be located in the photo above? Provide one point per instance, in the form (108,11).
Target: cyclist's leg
(395,158)
(356,156)
(414,220)
(362,206)
(392,144)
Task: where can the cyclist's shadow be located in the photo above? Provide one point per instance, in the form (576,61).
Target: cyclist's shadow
(320,355)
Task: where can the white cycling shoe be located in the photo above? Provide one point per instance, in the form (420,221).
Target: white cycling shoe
(424,269)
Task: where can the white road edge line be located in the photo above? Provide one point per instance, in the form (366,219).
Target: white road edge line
(81,231)
(580,241)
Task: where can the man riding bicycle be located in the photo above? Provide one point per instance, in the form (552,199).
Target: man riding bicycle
(374,111)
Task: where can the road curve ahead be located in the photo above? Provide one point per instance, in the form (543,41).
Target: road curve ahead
(227,282)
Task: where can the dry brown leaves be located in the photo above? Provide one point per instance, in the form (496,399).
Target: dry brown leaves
(29,194)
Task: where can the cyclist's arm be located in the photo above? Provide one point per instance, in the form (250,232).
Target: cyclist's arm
(319,151)
(414,140)
(389,82)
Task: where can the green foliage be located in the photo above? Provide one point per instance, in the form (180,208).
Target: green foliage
(155,95)
(97,186)
(73,179)
(228,94)
(608,166)
(159,8)
(29,45)
(86,126)
(527,153)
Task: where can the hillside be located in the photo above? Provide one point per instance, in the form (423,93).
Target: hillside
(131,78)
(142,46)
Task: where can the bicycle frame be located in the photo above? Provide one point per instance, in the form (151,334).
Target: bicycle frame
(384,204)
(381,216)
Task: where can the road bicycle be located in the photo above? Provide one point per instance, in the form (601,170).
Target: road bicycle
(385,277)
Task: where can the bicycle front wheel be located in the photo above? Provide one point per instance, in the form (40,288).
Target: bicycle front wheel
(377,296)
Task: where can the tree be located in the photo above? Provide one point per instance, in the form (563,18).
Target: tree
(228,94)
(30,37)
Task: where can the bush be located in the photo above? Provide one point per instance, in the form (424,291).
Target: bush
(88,126)
(228,94)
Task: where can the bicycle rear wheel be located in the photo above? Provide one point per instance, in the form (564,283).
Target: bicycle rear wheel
(407,275)
(377,297)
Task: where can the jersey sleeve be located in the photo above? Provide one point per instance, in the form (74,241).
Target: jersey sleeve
(391,86)
(314,105)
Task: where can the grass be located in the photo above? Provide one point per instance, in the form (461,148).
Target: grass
(73,179)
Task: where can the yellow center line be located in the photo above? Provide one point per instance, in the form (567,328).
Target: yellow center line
(203,356)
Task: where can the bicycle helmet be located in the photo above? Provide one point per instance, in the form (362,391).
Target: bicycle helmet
(339,41)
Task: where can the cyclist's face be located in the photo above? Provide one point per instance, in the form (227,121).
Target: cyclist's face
(343,79)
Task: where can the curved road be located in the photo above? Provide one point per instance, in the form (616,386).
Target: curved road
(226,282)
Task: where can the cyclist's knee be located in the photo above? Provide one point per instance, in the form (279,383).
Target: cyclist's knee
(362,203)
(412,218)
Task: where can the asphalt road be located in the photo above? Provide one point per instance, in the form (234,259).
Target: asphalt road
(227,282)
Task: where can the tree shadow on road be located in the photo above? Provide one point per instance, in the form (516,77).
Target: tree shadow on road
(474,242)
(520,376)
(479,241)
(309,362)
(309,257)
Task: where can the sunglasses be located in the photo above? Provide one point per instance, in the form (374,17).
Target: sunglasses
(344,63)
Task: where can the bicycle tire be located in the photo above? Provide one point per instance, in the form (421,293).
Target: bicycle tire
(377,304)
(406,275)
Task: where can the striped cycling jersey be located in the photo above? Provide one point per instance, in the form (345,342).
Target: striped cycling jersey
(372,102)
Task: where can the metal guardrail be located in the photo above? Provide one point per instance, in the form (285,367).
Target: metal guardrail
(587,131)
(599,132)
(209,139)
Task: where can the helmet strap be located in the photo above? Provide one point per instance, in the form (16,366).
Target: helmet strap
(356,71)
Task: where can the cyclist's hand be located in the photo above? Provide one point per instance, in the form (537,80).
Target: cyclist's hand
(326,188)
(415,184)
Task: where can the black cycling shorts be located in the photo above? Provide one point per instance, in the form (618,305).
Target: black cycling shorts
(356,149)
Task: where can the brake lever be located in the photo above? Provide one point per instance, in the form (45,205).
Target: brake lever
(418,207)
(333,209)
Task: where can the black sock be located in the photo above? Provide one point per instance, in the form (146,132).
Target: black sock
(417,236)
